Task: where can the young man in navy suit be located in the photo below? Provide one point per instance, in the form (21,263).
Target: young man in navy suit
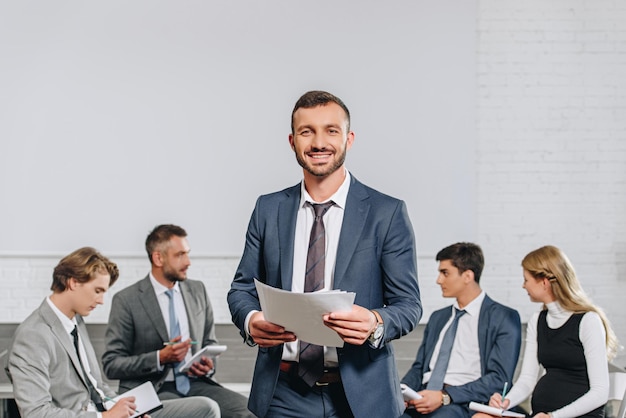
(482,354)
(369,249)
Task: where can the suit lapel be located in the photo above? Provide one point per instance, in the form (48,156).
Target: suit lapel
(191,307)
(287,213)
(355,214)
(150,304)
(91,355)
(50,318)
(483,328)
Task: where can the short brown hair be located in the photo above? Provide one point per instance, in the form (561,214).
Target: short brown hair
(161,234)
(82,265)
(464,256)
(316,98)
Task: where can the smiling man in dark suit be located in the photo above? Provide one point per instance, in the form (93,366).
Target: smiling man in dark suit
(369,249)
(166,307)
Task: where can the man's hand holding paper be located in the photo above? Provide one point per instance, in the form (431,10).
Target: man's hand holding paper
(354,327)
(303,315)
(268,334)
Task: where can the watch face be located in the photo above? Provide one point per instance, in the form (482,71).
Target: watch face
(378,332)
(445,399)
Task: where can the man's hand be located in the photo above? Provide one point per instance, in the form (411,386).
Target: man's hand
(353,327)
(123,408)
(174,352)
(267,334)
(202,367)
(431,400)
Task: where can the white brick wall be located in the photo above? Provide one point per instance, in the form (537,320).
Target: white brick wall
(551,154)
(26,282)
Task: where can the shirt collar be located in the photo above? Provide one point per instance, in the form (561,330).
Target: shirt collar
(68,324)
(473,308)
(339,197)
(159,289)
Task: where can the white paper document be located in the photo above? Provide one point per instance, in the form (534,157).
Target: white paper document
(474,406)
(146,399)
(207,351)
(409,394)
(301,313)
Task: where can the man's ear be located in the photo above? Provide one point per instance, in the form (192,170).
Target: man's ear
(71,283)
(468,276)
(291,142)
(157,259)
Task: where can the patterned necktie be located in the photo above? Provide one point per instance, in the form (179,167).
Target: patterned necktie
(441,365)
(311,360)
(93,393)
(182,381)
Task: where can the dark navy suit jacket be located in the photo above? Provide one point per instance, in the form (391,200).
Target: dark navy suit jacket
(499,339)
(375,259)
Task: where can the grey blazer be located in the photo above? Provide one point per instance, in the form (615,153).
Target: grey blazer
(137,330)
(42,363)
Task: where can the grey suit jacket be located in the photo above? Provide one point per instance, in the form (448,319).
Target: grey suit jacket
(43,365)
(137,330)
(375,259)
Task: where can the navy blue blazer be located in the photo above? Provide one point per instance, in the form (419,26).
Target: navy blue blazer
(376,259)
(499,340)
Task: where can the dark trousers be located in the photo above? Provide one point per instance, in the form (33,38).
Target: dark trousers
(232,404)
(447,411)
(294,399)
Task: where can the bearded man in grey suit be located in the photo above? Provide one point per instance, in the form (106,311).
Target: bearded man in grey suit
(50,378)
(166,307)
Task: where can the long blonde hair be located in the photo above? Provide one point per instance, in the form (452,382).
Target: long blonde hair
(551,263)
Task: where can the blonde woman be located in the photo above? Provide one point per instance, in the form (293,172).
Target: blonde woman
(570,338)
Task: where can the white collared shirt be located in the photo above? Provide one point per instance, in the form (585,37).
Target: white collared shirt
(464,364)
(69,325)
(181,314)
(333,220)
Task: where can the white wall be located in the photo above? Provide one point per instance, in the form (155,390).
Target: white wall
(551,150)
(116,116)
(550,161)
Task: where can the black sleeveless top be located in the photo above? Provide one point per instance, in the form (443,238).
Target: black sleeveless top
(561,353)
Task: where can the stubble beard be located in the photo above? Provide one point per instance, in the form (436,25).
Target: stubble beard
(173,276)
(322,171)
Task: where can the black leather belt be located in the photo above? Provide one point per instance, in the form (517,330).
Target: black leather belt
(331,374)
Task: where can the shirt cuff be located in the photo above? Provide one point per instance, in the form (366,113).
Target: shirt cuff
(246,326)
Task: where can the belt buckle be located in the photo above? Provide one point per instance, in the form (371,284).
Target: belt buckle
(322,383)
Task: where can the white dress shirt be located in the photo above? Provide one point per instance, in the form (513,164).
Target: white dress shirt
(333,220)
(464,364)
(181,314)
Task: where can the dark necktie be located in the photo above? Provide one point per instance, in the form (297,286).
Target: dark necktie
(441,365)
(311,360)
(182,381)
(93,393)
